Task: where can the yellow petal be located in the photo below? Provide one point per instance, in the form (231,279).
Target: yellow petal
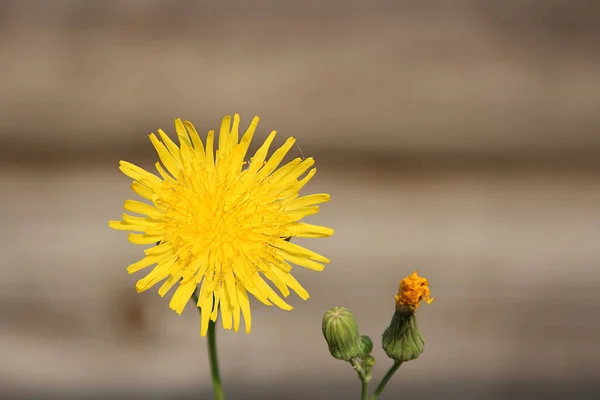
(296,250)
(215,311)
(233,136)
(284,171)
(162,172)
(277,157)
(242,148)
(143,263)
(142,190)
(132,224)
(254,291)
(296,186)
(259,157)
(224,135)
(270,293)
(226,313)
(123,226)
(137,238)
(166,158)
(142,208)
(309,200)
(163,248)
(168,284)
(187,155)
(299,213)
(130,219)
(182,134)
(171,146)
(138,174)
(244,306)
(279,284)
(199,152)
(301,229)
(182,296)
(210,159)
(302,261)
(230,288)
(160,272)
(297,171)
(205,302)
(290,281)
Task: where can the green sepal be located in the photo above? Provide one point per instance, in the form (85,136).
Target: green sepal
(403,340)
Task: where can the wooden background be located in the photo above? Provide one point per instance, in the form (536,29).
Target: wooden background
(461,138)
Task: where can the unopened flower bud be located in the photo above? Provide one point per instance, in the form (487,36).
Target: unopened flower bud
(366,345)
(341,333)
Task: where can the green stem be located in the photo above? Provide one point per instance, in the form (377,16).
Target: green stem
(212,356)
(363,379)
(365,389)
(214,362)
(386,379)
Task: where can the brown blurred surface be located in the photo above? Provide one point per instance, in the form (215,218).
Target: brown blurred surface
(451,76)
(458,139)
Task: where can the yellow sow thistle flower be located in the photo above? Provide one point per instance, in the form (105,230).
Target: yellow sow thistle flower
(413,289)
(220,223)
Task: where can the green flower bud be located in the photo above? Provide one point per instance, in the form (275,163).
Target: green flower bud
(402,340)
(341,333)
(366,345)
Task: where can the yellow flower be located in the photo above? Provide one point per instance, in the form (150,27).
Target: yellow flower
(221,223)
(413,289)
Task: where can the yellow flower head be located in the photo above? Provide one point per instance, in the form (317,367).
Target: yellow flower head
(413,289)
(221,223)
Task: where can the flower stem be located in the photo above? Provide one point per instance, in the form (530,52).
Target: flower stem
(212,355)
(363,378)
(365,389)
(214,362)
(386,379)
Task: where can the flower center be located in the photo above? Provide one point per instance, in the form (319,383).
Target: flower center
(223,222)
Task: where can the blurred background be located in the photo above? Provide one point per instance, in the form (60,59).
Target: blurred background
(458,137)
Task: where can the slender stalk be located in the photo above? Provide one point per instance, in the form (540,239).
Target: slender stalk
(212,356)
(386,379)
(356,364)
(365,389)
(214,362)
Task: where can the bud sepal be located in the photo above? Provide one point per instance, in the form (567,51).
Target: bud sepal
(402,340)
